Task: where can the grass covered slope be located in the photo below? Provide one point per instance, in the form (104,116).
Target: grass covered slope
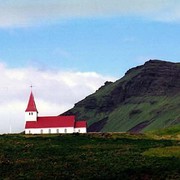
(172,132)
(88,156)
(145,114)
(146,98)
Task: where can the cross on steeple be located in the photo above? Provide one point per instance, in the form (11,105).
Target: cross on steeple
(31,86)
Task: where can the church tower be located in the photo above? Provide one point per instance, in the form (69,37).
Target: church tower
(31,112)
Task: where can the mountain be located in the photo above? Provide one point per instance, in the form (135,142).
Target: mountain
(146,98)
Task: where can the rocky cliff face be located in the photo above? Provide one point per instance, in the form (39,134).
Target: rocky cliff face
(153,79)
(156,78)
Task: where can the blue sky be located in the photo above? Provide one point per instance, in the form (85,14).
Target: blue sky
(108,46)
(98,40)
(67,49)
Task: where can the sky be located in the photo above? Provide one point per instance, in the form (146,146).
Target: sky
(67,49)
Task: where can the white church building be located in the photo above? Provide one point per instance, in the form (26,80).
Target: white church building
(50,124)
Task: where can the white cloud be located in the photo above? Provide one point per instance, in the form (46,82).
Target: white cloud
(55,92)
(24,12)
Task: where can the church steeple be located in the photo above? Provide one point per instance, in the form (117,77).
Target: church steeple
(31,104)
(31,112)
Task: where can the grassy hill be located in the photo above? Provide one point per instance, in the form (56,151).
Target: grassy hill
(172,132)
(145,99)
(89,156)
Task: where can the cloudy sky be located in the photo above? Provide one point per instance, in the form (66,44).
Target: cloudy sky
(69,48)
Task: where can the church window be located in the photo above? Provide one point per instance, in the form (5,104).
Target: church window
(79,130)
(65,130)
(49,131)
(41,131)
(29,132)
(57,130)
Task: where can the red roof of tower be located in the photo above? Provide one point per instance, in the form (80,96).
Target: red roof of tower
(31,104)
(51,122)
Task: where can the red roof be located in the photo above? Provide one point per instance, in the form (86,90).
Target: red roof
(31,104)
(80,124)
(51,122)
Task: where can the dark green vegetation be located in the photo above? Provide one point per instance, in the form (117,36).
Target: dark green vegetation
(145,99)
(89,156)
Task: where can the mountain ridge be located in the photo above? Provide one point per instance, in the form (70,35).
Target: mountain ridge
(136,102)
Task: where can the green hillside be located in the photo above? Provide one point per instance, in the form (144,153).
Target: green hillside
(145,99)
(172,132)
(89,156)
(163,112)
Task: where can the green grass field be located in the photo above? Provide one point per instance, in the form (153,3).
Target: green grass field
(89,156)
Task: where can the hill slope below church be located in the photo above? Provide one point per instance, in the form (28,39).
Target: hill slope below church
(146,98)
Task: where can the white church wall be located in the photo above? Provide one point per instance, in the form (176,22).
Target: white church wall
(30,116)
(49,130)
(80,130)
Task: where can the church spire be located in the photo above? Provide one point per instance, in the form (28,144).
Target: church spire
(31,104)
